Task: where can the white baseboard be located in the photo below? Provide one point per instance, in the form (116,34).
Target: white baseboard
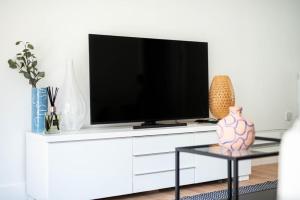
(14,191)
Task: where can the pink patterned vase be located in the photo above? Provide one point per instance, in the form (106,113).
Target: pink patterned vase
(234,131)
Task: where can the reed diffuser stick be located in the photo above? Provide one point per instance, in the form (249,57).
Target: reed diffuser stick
(52,95)
(52,119)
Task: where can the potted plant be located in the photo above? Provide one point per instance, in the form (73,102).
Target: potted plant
(26,64)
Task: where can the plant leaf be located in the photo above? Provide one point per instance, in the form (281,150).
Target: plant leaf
(27,54)
(17,43)
(41,74)
(25,50)
(30,46)
(12,64)
(24,60)
(34,74)
(27,75)
(34,63)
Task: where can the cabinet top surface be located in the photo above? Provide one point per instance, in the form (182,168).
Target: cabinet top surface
(110,132)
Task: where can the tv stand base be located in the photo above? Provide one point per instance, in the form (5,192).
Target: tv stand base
(157,125)
(142,160)
(207,120)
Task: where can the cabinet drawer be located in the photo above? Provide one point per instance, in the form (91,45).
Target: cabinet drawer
(161,180)
(203,138)
(161,144)
(160,162)
(210,169)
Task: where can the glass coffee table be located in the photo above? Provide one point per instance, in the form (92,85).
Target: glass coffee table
(214,150)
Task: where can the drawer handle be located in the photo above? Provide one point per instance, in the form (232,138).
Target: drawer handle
(150,154)
(161,171)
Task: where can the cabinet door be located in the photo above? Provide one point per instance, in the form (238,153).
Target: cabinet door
(161,144)
(209,168)
(90,169)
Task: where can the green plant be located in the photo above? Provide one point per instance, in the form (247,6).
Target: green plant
(26,63)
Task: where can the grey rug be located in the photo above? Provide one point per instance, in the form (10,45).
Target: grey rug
(222,194)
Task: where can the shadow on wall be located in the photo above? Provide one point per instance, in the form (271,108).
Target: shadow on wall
(298,87)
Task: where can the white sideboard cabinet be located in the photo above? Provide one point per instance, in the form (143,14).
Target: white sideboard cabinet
(104,162)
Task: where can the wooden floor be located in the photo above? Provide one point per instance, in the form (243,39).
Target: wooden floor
(259,174)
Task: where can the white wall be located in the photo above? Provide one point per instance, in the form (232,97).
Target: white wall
(256,42)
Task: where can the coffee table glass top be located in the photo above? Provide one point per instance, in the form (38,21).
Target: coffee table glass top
(214,150)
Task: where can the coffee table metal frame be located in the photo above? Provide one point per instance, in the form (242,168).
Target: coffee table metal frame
(230,159)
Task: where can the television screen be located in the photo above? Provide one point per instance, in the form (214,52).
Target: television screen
(141,79)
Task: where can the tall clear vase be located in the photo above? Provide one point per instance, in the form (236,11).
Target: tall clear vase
(71,103)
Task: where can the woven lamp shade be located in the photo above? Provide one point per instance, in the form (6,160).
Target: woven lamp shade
(221,96)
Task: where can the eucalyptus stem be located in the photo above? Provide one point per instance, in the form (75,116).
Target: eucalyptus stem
(26,63)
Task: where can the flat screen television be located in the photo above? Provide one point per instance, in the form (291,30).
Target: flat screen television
(146,80)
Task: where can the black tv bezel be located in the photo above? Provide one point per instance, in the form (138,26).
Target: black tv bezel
(152,119)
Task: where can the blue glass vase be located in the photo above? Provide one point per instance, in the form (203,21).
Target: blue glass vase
(39,108)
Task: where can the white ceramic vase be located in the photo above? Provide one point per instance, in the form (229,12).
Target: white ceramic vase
(234,131)
(71,103)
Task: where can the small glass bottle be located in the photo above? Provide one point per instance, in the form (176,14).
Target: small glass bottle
(52,121)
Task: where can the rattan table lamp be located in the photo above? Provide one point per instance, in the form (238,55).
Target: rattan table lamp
(221,96)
